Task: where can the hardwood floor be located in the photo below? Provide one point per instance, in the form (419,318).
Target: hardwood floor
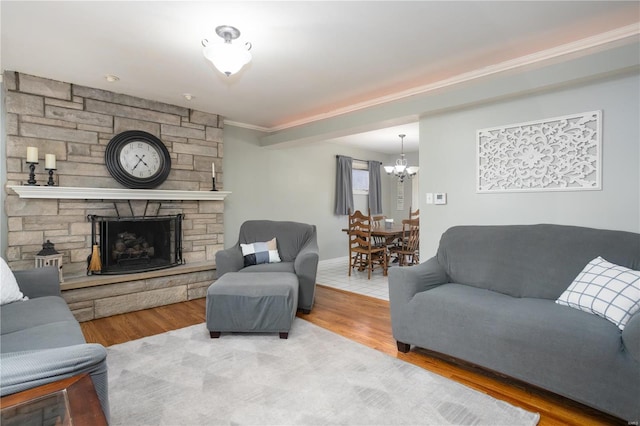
(365,320)
(135,325)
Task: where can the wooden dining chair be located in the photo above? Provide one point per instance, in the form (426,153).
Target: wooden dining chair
(414,214)
(363,254)
(408,252)
(378,222)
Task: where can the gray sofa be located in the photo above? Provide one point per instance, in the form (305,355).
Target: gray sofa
(41,341)
(488,298)
(297,246)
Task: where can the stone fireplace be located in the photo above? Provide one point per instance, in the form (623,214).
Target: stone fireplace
(76,123)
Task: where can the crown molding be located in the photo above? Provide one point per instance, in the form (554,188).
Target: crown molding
(582,45)
(248,126)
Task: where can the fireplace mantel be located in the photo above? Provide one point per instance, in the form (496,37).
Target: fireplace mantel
(75,193)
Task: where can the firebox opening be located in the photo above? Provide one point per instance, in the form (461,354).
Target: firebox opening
(136,244)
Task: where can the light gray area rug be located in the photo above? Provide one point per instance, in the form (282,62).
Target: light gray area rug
(315,377)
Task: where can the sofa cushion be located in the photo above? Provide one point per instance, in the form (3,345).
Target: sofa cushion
(260,252)
(9,289)
(548,345)
(605,289)
(270,267)
(54,335)
(530,260)
(527,327)
(33,313)
(40,323)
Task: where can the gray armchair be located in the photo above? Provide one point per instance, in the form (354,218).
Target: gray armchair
(298,249)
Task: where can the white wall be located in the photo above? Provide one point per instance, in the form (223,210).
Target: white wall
(448,154)
(295,183)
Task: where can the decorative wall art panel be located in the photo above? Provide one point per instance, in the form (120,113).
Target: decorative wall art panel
(555,154)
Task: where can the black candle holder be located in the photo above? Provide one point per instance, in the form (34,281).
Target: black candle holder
(213,182)
(32,173)
(51,182)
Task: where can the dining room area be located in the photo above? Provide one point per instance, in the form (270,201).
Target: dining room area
(374,204)
(376,243)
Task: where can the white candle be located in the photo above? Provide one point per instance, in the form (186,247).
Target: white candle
(213,169)
(32,154)
(50,161)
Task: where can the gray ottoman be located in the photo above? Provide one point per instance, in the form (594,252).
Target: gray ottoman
(252,302)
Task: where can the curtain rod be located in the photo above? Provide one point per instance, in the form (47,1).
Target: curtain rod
(357,159)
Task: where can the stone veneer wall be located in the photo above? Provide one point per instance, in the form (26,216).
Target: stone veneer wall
(75,123)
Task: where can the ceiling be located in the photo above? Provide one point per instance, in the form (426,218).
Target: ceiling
(311,60)
(385,140)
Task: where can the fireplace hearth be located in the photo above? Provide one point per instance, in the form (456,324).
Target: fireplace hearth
(136,244)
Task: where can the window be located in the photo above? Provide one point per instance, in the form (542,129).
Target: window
(360,177)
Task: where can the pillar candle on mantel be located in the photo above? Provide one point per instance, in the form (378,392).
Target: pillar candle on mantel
(213,169)
(49,161)
(32,154)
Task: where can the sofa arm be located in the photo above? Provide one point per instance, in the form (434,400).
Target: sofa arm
(406,282)
(229,260)
(29,369)
(631,336)
(306,268)
(39,282)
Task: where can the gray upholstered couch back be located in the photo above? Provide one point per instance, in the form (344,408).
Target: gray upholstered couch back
(530,260)
(291,236)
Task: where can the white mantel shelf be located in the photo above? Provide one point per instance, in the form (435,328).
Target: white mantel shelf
(75,193)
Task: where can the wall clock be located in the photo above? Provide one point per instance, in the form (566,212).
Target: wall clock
(137,159)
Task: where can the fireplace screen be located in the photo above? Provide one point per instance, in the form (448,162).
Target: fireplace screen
(136,244)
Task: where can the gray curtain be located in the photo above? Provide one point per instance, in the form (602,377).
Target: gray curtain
(344,185)
(375,188)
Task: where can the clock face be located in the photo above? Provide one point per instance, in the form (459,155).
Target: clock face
(138,159)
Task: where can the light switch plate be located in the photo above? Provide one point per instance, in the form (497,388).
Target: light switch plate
(429,197)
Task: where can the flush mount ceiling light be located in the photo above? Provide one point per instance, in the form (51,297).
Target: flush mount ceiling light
(228,58)
(111,78)
(400,169)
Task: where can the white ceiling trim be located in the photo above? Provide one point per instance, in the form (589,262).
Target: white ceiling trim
(613,36)
(248,126)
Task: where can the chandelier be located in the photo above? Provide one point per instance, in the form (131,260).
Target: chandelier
(226,57)
(401,170)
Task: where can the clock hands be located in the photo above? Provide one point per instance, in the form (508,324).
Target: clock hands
(140,160)
(134,167)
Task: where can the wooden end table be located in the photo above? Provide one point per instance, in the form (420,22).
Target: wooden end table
(71,401)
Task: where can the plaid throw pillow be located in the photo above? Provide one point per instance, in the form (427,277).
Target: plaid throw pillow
(605,289)
(257,253)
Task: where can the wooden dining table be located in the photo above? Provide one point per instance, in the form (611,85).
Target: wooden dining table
(389,234)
